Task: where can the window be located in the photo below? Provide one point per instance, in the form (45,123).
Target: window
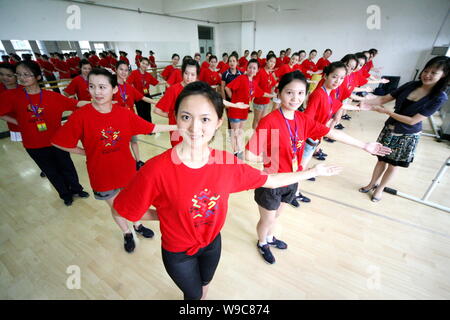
(41,46)
(84,46)
(21,47)
(2,49)
(99,47)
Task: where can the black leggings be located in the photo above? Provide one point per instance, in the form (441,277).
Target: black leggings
(191,273)
(144,109)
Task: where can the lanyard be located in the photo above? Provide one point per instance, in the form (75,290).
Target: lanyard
(34,108)
(292,137)
(251,87)
(144,82)
(123,93)
(330,101)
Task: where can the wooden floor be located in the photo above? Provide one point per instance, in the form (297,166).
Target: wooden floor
(341,245)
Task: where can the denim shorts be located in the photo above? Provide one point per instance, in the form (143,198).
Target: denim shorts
(236,120)
(260,107)
(105,195)
(310,146)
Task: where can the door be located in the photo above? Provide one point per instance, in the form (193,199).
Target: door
(205,40)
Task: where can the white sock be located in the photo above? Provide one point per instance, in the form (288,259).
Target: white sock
(262,243)
(269,238)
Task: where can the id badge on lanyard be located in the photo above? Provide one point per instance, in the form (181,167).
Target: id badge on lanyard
(40,123)
(293,139)
(144,84)
(295,163)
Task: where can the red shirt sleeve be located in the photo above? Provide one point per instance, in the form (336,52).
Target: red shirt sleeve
(67,104)
(258,141)
(71,89)
(70,133)
(247,177)
(152,80)
(313,104)
(139,125)
(314,129)
(167,102)
(137,95)
(6,103)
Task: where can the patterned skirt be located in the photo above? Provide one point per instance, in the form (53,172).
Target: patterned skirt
(403,146)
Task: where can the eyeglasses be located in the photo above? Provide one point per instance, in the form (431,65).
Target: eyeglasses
(24,75)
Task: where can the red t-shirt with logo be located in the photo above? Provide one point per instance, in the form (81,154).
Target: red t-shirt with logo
(11,126)
(212,78)
(167,71)
(192,204)
(243,90)
(127,95)
(243,62)
(273,140)
(141,81)
(106,140)
(266,82)
(285,68)
(49,111)
(80,87)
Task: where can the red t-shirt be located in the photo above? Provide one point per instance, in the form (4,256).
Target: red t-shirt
(286,59)
(346,88)
(141,81)
(212,78)
(175,77)
(224,68)
(80,87)
(308,65)
(12,127)
(137,59)
(321,106)
(243,90)
(220,65)
(104,62)
(127,95)
(192,204)
(361,78)
(151,59)
(167,72)
(167,104)
(65,71)
(122,58)
(266,82)
(272,138)
(369,65)
(94,60)
(243,62)
(106,139)
(285,68)
(279,63)
(49,111)
(262,62)
(322,63)
(205,65)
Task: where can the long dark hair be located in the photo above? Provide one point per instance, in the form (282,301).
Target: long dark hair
(440,63)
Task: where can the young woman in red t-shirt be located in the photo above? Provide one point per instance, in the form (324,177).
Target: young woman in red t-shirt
(189,185)
(267,82)
(127,96)
(165,74)
(210,75)
(223,66)
(142,80)
(8,81)
(242,90)
(105,131)
(278,142)
(38,113)
(79,85)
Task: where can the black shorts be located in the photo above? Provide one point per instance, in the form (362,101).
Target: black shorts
(270,199)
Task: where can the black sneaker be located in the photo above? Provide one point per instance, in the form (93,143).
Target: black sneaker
(294,203)
(302,198)
(266,254)
(68,201)
(312,179)
(328,140)
(346,117)
(82,194)
(42,174)
(322,153)
(319,157)
(339,126)
(143,231)
(128,243)
(278,243)
(139,165)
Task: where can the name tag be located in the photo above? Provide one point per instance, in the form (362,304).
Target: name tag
(295,164)
(41,126)
(145,91)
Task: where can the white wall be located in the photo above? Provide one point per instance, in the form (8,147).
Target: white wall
(408,29)
(48,22)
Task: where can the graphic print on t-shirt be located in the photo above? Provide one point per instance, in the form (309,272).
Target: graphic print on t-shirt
(204,205)
(110,137)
